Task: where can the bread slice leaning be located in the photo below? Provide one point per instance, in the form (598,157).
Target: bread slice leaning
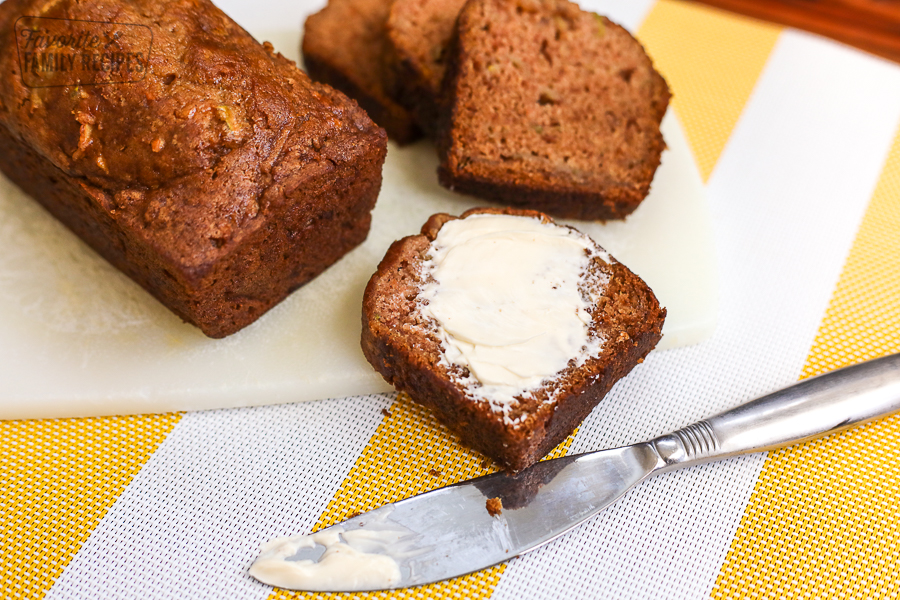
(551,108)
(418,38)
(344,46)
(406,348)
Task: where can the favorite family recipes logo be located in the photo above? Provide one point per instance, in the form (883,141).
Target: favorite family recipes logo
(59,52)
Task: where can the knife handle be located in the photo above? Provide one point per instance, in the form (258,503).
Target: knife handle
(812,408)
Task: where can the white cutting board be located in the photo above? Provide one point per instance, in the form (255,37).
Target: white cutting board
(77,338)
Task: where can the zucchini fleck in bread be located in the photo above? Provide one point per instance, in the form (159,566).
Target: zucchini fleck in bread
(418,35)
(414,342)
(552,108)
(344,46)
(221,181)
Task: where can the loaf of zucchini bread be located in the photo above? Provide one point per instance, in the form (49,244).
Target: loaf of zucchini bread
(201,163)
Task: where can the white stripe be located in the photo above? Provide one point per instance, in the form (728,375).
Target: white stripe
(222,483)
(787,196)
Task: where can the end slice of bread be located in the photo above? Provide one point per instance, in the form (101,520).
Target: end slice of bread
(344,46)
(406,346)
(552,108)
(418,37)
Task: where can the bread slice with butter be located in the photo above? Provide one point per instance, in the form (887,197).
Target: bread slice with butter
(509,327)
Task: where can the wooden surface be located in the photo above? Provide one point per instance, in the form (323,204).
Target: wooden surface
(871,25)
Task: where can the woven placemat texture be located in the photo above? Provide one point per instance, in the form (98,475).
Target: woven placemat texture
(58,478)
(824,519)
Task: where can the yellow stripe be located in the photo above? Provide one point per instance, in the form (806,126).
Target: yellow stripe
(824,518)
(402,459)
(711,60)
(57,480)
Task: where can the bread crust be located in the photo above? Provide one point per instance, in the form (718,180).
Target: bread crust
(220,182)
(489,152)
(398,346)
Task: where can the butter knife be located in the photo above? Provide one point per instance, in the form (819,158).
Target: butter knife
(450,531)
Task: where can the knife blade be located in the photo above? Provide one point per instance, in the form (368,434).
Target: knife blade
(450,532)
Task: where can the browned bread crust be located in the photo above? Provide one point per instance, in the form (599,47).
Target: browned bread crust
(418,38)
(220,182)
(404,347)
(344,45)
(564,118)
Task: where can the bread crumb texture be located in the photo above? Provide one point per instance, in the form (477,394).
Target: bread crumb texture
(494,506)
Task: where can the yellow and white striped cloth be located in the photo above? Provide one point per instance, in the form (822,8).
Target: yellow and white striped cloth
(797,140)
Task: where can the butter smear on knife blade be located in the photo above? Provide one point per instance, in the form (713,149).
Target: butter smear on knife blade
(347,565)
